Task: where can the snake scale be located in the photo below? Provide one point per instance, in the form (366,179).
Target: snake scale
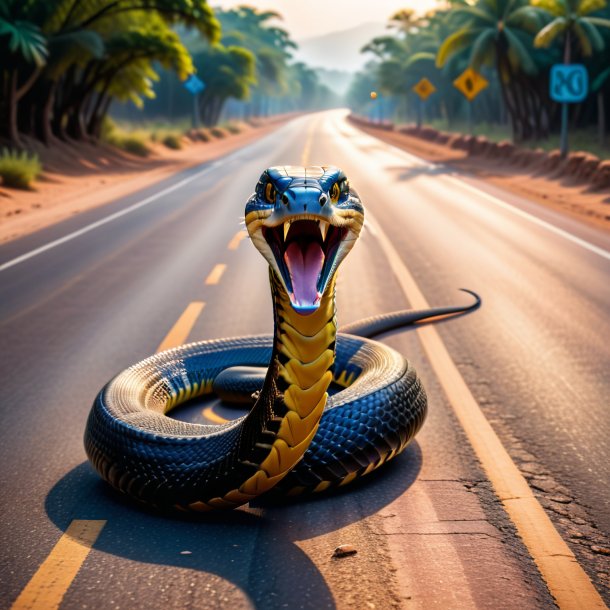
(295,438)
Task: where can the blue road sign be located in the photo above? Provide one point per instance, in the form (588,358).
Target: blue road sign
(569,83)
(194,84)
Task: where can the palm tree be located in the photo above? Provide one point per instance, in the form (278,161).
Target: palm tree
(496,33)
(23,55)
(406,57)
(572,20)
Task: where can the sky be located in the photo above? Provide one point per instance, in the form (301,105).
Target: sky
(308,18)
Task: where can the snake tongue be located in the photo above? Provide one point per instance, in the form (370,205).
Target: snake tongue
(304,262)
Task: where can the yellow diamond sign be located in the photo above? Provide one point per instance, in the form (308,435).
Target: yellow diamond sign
(424,88)
(470,83)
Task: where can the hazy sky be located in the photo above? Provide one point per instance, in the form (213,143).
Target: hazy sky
(307,18)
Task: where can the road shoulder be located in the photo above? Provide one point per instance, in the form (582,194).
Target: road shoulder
(560,193)
(103,175)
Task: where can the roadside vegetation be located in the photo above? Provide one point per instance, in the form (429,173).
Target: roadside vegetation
(18,169)
(65,63)
(513,44)
(138,138)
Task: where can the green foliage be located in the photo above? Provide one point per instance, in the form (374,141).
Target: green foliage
(172,141)
(18,170)
(569,20)
(131,142)
(92,52)
(23,39)
(232,128)
(601,79)
(513,43)
(249,28)
(64,62)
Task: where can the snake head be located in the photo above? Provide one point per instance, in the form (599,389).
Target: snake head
(304,221)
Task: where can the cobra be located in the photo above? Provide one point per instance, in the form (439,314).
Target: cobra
(295,438)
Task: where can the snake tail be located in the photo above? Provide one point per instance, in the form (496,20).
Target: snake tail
(382,323)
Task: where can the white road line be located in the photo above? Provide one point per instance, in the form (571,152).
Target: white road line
(533,219)
(498,202)
(107,219)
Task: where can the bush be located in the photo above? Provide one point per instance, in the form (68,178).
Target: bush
(172,141)
(217,132)
(232,128)
(204,135)
(108,129)
(136,145)
(19,170)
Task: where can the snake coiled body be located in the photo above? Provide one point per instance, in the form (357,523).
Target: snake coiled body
(295,438)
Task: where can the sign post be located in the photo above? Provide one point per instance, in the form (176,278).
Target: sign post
(470,83)
(424,89)
(569,85)
(195,86)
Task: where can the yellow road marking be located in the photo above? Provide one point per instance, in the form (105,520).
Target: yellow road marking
(307,147)
(215,274)
(49,584)
(181,329)
(209,414)
(566,580)
(237,239)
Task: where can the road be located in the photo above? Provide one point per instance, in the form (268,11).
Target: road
(88,297)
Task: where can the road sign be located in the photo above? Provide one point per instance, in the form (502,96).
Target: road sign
(470,83)
(194,84)
(424,88)
(569,83)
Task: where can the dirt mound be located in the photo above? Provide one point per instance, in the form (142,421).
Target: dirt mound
(581,166)
(578,185)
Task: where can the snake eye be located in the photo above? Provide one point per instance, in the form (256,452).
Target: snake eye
(335,191)
(270,193)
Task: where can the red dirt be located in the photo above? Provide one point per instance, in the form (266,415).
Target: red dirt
(531,174)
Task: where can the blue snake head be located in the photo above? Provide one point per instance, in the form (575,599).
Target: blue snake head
(304,221)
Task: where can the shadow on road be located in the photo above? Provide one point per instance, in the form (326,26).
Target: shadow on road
(253,548)
(409,172)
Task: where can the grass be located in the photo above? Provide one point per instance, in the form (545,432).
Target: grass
(232,128)
(136,138)
(19,170)
(579,139)
(134,144)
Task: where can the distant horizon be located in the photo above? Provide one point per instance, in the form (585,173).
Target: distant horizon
(341,31)
(320,17)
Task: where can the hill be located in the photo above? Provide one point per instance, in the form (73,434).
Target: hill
(339,50)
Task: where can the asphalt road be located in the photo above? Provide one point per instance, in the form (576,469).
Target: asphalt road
(429,530)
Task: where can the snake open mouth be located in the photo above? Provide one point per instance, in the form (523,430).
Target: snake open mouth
(305,252)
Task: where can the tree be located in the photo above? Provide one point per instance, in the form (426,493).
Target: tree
(23,54)
(499,33)
(63,61)
(249,28)
(572,21)
(227,72)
